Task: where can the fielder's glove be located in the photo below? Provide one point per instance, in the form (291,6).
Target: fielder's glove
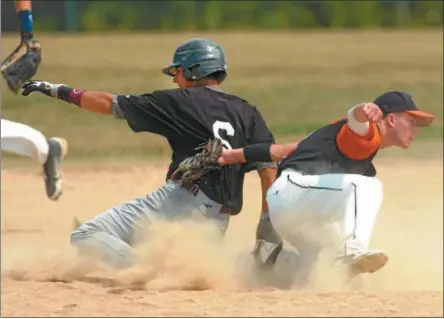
(194,167)
(22,64)
(268,244)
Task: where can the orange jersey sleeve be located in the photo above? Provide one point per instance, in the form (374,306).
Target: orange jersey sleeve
(355,146)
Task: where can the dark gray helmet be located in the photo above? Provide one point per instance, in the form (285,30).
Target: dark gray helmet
(198,59)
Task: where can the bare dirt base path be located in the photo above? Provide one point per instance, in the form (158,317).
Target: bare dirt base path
(39,270)
(86,300)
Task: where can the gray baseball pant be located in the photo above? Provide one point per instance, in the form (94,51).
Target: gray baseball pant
(109,236)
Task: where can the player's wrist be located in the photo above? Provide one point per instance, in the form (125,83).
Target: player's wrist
(257,153)
(357,121)
(69,95)
(26,36)
(26,22)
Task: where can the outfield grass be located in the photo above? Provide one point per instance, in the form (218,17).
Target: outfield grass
(299,81)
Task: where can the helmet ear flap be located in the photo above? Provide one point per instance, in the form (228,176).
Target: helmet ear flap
(221,75)
(190,73)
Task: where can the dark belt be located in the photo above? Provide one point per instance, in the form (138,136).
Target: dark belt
(194,188)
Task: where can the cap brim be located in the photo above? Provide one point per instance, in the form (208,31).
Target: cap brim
(422,118)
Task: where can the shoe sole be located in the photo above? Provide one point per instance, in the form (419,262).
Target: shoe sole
(369,263)
(64,148)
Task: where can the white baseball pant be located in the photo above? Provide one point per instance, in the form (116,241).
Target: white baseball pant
(23,140)
(336,212)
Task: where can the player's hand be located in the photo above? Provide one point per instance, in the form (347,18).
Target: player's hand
(367,112)
(44,87)
(226,157)
(31,43)
(231,156)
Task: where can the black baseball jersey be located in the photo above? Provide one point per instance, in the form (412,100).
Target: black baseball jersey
(319,153)
(188,118)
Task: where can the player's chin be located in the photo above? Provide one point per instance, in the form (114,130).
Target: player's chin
(406,144)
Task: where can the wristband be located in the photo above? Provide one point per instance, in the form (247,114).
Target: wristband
(73,96)
(360,128)
(25,18)
(257,153)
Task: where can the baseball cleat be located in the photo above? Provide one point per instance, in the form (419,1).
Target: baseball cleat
(369,262)
(58,148)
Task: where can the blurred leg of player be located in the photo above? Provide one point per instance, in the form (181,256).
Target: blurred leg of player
(333,212)
(26,141)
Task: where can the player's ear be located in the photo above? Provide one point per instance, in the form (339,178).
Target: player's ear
(391,120)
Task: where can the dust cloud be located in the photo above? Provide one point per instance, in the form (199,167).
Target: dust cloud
(182,255)
(189,255)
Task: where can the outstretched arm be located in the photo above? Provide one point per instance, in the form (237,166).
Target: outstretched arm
(94,101)
(144,113)
(97,101)
(256,153)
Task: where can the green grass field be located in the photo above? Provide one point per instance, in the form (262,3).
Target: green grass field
(298,80)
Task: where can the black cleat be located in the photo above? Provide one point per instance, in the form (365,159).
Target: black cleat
(58,148)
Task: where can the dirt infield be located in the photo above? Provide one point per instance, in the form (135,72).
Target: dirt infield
(205,280)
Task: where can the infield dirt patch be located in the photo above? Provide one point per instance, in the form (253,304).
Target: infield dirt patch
(203,278)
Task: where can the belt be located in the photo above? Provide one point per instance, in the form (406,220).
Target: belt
(194,188)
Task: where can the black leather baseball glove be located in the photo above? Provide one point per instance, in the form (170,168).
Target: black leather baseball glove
(22,64)
(194,167)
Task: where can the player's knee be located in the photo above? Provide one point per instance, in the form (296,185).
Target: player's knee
(371,190)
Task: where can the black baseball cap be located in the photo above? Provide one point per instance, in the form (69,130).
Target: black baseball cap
(398,101)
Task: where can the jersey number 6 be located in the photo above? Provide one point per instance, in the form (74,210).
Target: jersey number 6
(225,126)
